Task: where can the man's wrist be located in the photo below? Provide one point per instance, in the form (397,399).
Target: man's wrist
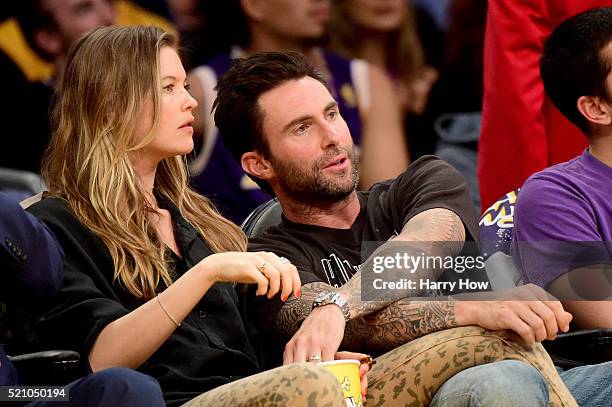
(332,298)
(465,313)
(328,309)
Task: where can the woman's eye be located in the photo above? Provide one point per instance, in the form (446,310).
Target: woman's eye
(168,88)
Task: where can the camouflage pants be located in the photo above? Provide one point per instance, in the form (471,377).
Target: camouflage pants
(409,375)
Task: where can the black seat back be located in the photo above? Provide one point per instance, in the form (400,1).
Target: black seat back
(265,215)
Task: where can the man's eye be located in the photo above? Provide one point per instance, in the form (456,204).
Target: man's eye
(187,86)
(301,128)
(332,114)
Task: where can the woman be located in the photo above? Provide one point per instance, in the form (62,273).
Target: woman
(145,285)
(385,35)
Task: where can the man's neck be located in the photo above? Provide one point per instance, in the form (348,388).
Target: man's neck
(601,148)
(338,215)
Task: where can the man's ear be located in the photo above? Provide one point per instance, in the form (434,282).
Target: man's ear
(255,164)
(49,41)
(252,9)
(595,109)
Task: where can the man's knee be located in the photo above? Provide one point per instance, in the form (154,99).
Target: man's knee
(505,383)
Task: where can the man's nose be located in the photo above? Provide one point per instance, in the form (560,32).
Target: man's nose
(331,134)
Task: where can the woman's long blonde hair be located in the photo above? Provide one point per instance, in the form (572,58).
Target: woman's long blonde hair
(110,75)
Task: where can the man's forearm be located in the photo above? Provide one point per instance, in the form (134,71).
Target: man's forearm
(295,310)
(398,323)
(433,225)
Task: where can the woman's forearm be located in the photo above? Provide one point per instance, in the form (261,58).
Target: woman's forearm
(130,340)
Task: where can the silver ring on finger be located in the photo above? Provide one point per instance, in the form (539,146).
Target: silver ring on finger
(283,260)
(315,358)
(262,267)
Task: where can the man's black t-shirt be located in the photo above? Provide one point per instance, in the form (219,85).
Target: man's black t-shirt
(333,256)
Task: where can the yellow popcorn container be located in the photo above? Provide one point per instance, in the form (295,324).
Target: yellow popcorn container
(347,373)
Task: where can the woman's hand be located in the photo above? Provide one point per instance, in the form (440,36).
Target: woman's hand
(364,368)
(270,272)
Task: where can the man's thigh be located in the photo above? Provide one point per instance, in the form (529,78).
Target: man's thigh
(413,372)
(590,385)
(499,384)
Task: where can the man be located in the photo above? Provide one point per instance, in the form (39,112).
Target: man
(522,131)
(363,91)
(563,218)
(280,120)
(31,261)
(33,48)
(49,28)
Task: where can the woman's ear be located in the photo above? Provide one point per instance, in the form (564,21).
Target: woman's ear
(595,109)
(255,164)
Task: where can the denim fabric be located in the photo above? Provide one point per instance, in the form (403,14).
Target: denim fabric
(115,387)
(458,136)
(590,385)
(498,384)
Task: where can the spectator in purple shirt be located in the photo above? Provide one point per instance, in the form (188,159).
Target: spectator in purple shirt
(563,221)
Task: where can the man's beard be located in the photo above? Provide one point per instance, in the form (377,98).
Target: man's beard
(313,185)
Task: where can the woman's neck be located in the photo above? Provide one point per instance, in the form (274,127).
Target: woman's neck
(374,49)
(145,172)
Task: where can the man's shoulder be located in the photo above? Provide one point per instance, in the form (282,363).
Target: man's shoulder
(274,236)
(563,179)
(425,169)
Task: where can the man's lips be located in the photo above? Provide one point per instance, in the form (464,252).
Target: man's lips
(337,162)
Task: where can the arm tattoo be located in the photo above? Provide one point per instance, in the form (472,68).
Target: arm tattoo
(435,225)
(378,322)
(399,323)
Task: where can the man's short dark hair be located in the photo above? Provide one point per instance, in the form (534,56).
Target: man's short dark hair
(237,113)
(572,64)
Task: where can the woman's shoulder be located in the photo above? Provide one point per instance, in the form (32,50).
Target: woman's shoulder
(52,208)
(58,215)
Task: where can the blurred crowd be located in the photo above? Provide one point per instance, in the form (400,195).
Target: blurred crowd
(408,75)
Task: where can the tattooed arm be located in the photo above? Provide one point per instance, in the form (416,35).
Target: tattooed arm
(398,323)
(384,323)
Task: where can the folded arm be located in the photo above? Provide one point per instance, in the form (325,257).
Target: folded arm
(383,323)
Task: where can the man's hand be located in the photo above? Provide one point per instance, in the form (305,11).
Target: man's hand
(320,335)
(528,310)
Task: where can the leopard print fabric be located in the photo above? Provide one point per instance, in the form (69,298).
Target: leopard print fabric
(409,375)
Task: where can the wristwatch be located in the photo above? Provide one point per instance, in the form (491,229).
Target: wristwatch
(330,297)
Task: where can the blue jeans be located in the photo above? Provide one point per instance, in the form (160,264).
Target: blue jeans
(512,383)
(115,387)
(498,384)
(590,385)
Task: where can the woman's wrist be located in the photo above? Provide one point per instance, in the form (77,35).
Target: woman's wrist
(205,273)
